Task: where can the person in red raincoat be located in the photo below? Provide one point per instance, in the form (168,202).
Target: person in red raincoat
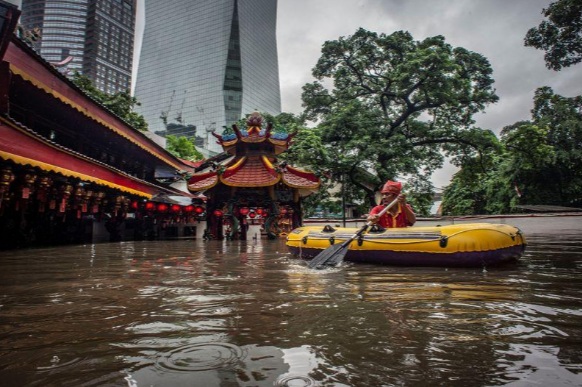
(400,215)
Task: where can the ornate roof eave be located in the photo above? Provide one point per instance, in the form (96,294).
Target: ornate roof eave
(202,181)
(253,167)
(207,177)
(23,146)
(254,135)
(281,141)
(27,64)
(301,179)
(252,172)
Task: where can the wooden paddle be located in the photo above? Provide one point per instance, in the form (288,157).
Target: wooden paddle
(334,254)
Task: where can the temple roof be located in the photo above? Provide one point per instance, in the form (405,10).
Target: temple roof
(253,171)
(24,146)
(298,178)
(25,63)
(254,134)
(252,165)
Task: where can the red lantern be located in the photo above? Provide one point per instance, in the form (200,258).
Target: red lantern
(162,207)
(259,211)
(198,209)
(217,213)
(134,205)
(244,211)
(252,214)
(150,206)
(175,208)
(189,208)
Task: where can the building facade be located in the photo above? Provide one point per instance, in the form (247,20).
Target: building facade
(207,64)
(14,2)
(93,37)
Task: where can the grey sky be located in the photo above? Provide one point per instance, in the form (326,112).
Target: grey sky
(492,28)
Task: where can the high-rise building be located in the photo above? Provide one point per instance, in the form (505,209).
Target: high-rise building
(207,63)
(14,2)
(93,37)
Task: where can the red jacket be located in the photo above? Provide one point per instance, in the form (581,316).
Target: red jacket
(388,220)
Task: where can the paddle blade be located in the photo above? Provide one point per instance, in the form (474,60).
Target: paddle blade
(332,256)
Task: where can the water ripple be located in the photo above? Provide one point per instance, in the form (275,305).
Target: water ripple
(56,362)
(201,357)
(295,381)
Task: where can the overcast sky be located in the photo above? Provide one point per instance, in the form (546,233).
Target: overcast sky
(492,28)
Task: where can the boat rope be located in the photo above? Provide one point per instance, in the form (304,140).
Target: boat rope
(440,239)
(381,239)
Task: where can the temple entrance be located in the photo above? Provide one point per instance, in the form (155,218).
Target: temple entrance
(251,193)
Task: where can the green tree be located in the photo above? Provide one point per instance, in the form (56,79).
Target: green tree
(548,155)
(461,197)
(541,158)
(121,104)
(560,36)
(420,195)
(468,193)
(308,151)
(397,106)
(183,148)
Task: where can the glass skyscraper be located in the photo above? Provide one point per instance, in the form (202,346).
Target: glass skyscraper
(93,37)
(205,64)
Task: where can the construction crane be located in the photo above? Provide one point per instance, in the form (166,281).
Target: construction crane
(179,115)
(164,114)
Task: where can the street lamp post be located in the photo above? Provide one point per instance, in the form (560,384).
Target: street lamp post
(344,200)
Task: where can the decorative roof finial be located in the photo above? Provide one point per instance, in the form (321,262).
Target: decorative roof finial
(255,119)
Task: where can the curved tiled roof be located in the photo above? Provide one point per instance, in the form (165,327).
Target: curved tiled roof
(298,178)
(24,146)
(28,65)
(251,172)
(202,181)
(253,166)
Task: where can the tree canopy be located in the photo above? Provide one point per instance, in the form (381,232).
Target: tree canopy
(121,103)
(183,147)
(393,106)
(537,162)
(560,36)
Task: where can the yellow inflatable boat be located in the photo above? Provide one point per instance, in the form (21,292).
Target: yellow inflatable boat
(459,245)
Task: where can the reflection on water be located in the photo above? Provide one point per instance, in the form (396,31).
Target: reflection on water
(194,313)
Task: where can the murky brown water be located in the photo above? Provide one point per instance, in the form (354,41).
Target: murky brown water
(194,313)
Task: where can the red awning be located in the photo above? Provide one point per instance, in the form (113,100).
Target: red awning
(23,147)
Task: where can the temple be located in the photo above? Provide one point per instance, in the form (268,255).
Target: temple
(251,191)
(72,171)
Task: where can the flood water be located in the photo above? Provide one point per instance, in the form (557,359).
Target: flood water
(234,313)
